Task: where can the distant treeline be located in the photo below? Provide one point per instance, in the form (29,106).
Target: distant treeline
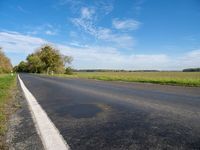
(191,70)
(5,64)
(110,70)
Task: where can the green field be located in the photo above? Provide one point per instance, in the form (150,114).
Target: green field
(7,83)
(172,78)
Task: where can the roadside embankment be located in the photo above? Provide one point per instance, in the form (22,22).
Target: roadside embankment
(7,103)
(17,129)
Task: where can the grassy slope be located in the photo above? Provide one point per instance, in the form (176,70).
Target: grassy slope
(172,78)
(7,83)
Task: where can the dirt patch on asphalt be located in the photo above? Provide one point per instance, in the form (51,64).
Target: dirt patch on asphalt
(84,114)
(83,110)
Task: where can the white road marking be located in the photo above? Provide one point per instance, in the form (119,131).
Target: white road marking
(49,134)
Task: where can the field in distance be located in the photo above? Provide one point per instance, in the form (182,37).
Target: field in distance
(172,78)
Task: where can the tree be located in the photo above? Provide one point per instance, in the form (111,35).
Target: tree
(34,64)
(191,70)
(45,59)
(68,70)
(67,60)
(52,59)
(22,67)
(5,64)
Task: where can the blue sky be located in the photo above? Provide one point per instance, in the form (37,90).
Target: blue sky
(106,34)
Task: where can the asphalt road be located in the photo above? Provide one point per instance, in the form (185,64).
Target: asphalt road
(99,115)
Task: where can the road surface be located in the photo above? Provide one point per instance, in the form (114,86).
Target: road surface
(100,115)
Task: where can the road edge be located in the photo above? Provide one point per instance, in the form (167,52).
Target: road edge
(49,134)
(19,136)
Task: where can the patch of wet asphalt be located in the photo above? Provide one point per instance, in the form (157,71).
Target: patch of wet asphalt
(80,110)
(90,121)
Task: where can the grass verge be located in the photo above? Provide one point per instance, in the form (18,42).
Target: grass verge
(170,78)
(7,92)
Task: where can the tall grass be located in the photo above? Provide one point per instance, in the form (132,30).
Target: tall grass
(7,82)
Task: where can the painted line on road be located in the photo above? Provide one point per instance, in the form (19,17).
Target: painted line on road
(49,134)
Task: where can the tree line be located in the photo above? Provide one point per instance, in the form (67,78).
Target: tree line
(191,70)
(46,59)
(5,64)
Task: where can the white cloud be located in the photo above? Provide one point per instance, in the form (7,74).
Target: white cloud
(86,25)
(190,59)
(74,5)
(86,22)
(87,13)
(19,43)
(194,54)
(103,57)
(105,7)
(49,32)
(47,29)
(123,40)
(110,58)
(129,24)
(73,34)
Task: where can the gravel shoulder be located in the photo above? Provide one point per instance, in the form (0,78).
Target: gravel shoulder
(22,133)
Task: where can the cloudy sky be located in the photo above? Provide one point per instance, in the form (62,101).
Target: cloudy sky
(105,34)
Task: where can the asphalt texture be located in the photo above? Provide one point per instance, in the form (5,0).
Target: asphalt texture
(100,115)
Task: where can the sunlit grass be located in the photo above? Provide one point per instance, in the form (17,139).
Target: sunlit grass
(172,78)
(6,83)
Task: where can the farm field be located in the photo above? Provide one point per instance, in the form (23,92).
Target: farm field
(171,78)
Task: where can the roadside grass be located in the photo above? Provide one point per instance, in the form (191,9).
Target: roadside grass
(170,78)
(7,85)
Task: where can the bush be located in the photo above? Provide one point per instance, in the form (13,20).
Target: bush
(68,71)
(5,64)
